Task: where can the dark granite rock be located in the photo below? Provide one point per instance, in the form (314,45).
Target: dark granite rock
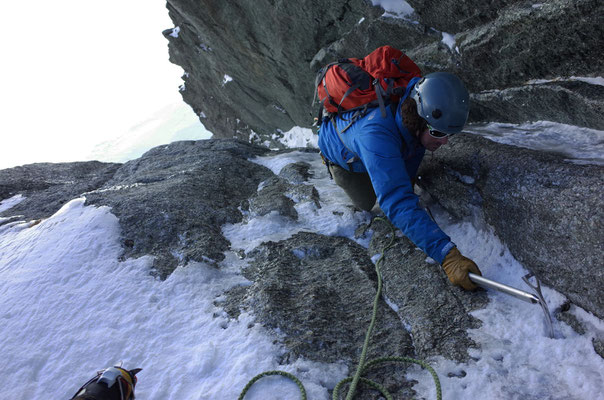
(281,193)
(296,173)
(435,311)
(272,198)
(557,38)
(365,37)
(271,50)
(304,193)
(598,344)
(545,209)
(173,201)
(317,292)
(563,314)
(457,16)
(266,47)
(48,186)
(565,101)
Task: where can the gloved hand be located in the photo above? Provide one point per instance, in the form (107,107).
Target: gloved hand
(457,267)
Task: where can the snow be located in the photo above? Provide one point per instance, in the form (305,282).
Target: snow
(69,307)
(336,216)
(449,40)
(226,79)
(175,32)
(579,144)
(279,108)
(594,80)
(468,180)
(395,8)
(11,202)
(597,80)
(517,359)
(254,137)
(300,137)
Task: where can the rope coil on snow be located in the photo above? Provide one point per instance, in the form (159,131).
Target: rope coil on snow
(267,373)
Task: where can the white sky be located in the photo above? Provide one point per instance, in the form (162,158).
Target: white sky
(77,73)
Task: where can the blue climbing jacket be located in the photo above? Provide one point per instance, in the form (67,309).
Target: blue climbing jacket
(384,148)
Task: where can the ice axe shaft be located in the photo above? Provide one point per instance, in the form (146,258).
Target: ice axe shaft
(520,294)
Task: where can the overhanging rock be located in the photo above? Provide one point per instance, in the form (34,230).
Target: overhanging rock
(249,65)
(48,186)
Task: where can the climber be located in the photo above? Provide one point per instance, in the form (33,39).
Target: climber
(373,154)
(115,383)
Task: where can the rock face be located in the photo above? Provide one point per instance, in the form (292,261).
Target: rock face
(544,208)
(249,65)
(173,200)
(47,186)
(253,43)
(249,68)
(315,292)
(568,101)
(436,312)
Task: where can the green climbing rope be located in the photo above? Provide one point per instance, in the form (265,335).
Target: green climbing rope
(362,366)
(267,373)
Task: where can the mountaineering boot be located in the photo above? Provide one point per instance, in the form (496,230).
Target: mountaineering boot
(115,383)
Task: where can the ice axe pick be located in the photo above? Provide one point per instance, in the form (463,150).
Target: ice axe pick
(536,298)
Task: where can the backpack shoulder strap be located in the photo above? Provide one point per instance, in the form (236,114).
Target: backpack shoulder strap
(355,117)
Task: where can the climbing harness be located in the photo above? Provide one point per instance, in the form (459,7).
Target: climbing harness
(536,298)
(362,366)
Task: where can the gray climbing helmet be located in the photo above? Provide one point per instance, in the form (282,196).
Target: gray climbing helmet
(443,101)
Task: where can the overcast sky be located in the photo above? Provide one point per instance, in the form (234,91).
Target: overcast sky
(75,73)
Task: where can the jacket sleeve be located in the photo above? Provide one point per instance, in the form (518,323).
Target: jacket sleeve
(381,155)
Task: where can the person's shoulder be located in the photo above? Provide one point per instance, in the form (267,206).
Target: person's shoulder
(375,120)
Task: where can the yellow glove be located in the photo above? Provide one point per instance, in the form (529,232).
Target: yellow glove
(457,267)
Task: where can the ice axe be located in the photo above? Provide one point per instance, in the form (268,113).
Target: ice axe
(536,298)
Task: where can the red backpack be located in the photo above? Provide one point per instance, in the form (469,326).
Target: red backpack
(357,83)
